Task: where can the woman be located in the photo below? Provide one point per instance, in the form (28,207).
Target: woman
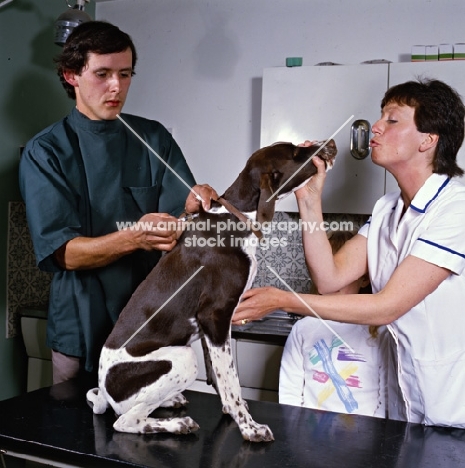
(413,250)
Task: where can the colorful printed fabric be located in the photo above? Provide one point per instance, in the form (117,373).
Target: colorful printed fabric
(332,366)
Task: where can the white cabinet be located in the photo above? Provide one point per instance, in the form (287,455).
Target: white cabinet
(258,367)
(39,362)
(313,102)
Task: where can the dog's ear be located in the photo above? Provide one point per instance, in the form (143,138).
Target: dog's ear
(269,183)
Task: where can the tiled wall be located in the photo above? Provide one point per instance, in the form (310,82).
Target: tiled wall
(281,250)
(288,261)
(27,286)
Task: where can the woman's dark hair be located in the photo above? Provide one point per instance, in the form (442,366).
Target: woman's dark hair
(99,37)
(438,110)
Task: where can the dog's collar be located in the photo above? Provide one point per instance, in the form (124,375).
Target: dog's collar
(241,216)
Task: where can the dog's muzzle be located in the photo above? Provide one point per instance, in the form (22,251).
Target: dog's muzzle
(327,151)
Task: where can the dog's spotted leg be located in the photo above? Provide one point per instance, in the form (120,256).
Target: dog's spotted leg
(135,421)
(229,390)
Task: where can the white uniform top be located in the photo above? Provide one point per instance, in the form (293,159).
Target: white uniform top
(426,353)
(335,369)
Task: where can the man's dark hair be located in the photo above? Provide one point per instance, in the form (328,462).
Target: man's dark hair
(438,110)
(98,37)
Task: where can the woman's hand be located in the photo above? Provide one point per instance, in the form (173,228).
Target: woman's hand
(258,302)
(206,194)
(313,189)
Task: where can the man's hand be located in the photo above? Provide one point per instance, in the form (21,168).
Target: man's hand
(154,231)
(157,231)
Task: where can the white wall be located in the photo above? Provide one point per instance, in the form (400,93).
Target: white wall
(201,61)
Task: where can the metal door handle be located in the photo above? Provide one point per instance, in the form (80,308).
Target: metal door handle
(360,139)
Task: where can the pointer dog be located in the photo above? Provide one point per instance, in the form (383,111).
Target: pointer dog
(147,360)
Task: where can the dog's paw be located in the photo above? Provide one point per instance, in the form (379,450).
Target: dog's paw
(187,425)
(184,425)
(176,402)
(257,433)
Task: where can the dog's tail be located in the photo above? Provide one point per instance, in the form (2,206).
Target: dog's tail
(97,401)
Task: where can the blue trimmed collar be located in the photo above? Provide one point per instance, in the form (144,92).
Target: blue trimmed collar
(429,192)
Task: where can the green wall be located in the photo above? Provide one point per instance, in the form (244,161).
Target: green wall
(31,97)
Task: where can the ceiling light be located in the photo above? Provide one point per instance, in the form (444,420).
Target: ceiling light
(5,3)
(68,20)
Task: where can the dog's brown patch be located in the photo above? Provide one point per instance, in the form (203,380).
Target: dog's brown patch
(135,375)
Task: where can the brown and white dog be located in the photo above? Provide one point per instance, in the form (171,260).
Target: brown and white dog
(142,371)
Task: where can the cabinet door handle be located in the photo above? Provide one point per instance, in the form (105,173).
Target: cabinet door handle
(360,139)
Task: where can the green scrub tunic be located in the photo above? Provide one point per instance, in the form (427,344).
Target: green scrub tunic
(81,177)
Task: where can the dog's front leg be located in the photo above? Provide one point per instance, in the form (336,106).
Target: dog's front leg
(229,390)
(211,379)
(210,374)
(208,363)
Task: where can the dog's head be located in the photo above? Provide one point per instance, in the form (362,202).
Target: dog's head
(278,170)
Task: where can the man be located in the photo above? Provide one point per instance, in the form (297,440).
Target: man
(87,176)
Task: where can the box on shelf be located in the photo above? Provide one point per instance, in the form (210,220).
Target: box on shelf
(459,51)
(431,52)
(446,51)
(418,53)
